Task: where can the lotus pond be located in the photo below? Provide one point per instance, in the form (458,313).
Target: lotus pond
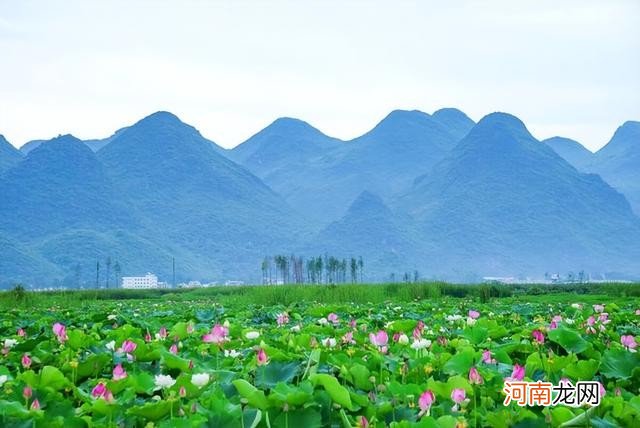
(431,363)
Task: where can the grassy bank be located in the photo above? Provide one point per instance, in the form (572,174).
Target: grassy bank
(357,293)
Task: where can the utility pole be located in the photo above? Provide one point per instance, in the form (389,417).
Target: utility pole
(174,271)
(97,274)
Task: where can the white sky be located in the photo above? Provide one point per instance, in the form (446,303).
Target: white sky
(569,68)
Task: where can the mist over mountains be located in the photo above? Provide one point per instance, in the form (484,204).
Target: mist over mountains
(434,193)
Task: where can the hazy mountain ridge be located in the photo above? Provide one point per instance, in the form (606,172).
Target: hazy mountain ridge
(434,193)
(384,160)
(571,151)
(618,162)
(94,144)
(502,201)
(9,155)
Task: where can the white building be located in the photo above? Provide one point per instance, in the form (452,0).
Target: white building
(140,282)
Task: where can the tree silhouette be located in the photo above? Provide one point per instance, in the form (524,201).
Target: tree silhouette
(117,271)
(108,264)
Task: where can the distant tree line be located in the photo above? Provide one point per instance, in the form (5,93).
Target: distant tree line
(315,270)
(113,270)
(406,277)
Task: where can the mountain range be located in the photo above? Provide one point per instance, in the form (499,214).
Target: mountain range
(617,162)
(434,193)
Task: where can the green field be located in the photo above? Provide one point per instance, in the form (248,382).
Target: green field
(426,354)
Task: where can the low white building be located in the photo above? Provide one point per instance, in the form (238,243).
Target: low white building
(140,282)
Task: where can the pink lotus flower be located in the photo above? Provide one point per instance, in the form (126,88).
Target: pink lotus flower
(333,318)
(458,395)
(538,336)
(174,349)
(147,337)
(637,311)
(425,402)
(27,392)
(217,335)
(475,378)
(189,328)
(629,342)
(348,338)
(554,322)
(99,390)
(282,318)
(61,332)
(518,372)
(379,339)
(417,333)
(108,396)
(603,391)
(119,373)
(487,357)
(162,334)
(35,405)
(364,422)
(353,324)
(474,314)
(128,346)
(182,392)
(590,323)
(261,357)
(21,332)
(26,361)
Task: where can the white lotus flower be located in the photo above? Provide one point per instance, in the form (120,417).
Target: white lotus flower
(471,321)
(111,346)
(420,344)
(329,342)
(164,381)
(200,380)
(296,328)
(403,339)
(252,335)
(111,317)
(231,353)
(226,324)
(3,379)
(323,321)
(10,343)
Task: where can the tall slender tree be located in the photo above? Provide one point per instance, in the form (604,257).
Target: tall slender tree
(97,274)
(117,270)
(108,265)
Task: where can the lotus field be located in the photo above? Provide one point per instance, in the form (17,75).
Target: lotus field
(427,363)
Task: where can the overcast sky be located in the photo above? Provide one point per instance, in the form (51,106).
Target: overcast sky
(569,68)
